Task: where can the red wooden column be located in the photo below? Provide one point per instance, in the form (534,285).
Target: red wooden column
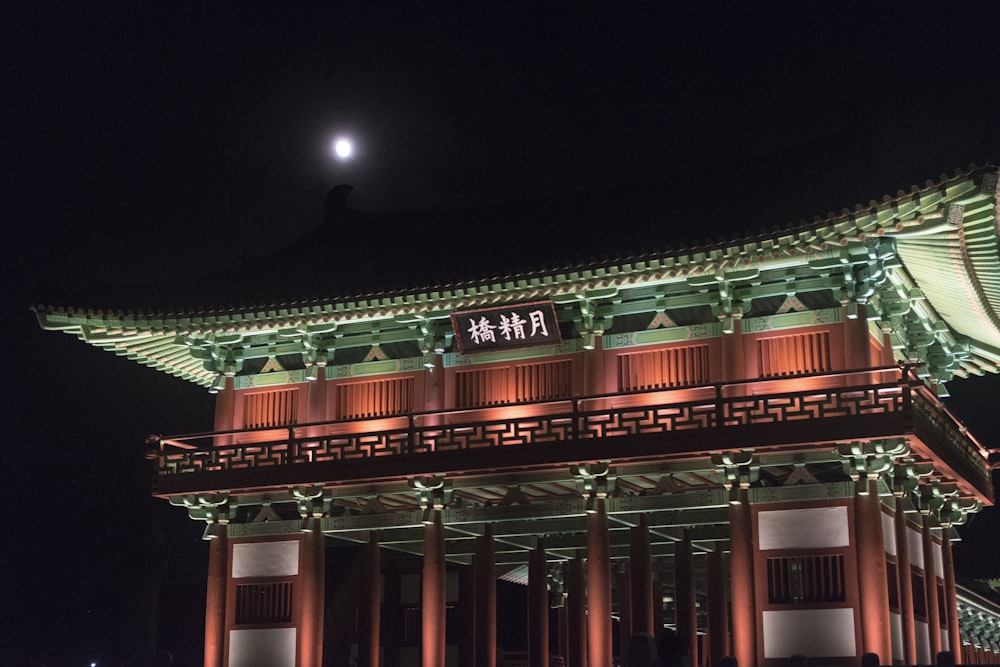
(434,392)
(312,585)
(905,585)
(433,599)
(215,602)
(593,368)
(576,613)
(370,603)
(857,342)
(225,402)
(641,570)
(538,607)
(930,590)
(316,409)
(734,366)
(562,632)
(887,357)
(741,582)
(598,587)
(625,628)
(467,614)
(685,595)
(486,599)
(950,597)
(873,584)
(657,606)
(718,612)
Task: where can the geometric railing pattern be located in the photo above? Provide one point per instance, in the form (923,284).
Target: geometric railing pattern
(560,420)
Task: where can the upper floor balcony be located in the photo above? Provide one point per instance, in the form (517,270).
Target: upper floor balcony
(776,414)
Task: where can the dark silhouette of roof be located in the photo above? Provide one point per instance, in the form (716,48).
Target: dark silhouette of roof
(366,252)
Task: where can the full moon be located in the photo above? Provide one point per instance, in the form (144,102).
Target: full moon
(342,148)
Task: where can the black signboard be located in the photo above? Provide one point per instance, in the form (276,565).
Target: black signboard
(516,325)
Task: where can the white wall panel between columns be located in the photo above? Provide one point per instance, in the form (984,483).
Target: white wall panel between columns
(266,559)
(923,642)
(916,543)
(813,528)
(896,627)
(817,633)
(889,534)
(273,647)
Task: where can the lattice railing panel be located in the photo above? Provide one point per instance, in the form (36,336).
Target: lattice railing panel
(494,434)
(810,405)
(563,421)
(647,420)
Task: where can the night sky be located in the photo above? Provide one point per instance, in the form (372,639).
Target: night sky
(145,143)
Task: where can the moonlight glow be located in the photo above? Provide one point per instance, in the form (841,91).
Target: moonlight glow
(342,148)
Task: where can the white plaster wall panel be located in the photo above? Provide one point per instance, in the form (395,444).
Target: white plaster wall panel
(813,528)
(266,559)
(938,563)
(273,647)
(896,630)
(916,544)
(889,534)
(824,633)
(944,641)
(923,642)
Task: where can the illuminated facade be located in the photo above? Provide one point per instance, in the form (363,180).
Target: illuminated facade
(743,442)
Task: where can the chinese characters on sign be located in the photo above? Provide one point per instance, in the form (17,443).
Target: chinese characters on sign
(517,325)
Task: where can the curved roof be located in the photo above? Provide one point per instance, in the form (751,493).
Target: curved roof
(944,232)
(954,259)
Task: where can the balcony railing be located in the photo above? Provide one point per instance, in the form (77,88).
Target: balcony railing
(805,398)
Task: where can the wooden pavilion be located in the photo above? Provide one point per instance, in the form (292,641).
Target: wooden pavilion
(742,441)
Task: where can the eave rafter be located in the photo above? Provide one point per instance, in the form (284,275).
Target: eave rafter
(951,262)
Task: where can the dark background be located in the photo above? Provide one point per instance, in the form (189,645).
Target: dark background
(146,142)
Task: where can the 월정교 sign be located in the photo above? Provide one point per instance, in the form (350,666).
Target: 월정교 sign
(517,325)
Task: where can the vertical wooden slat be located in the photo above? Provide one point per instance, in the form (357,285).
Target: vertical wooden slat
(270,408)
(794,355)
(664,368)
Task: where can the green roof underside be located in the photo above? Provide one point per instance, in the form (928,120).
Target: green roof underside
(924,263)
